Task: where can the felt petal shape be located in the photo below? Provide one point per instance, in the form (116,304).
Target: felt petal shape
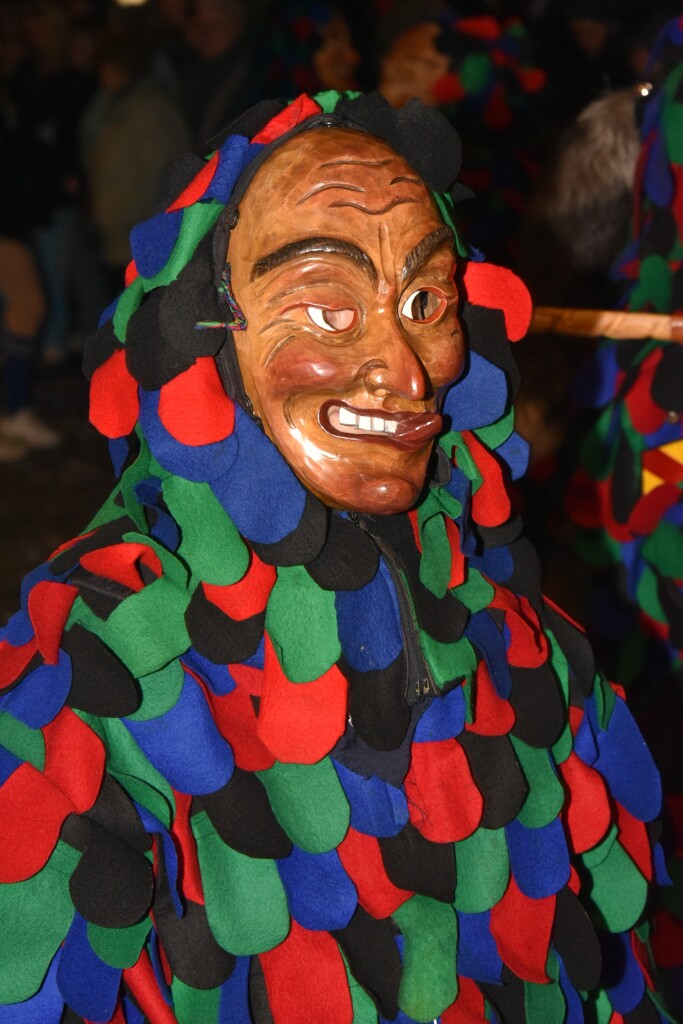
(215,635)
(377,808)
(88,985)
(307,970)
(373,958)
(101,684)
(300,722)
(477,954)
(444,719)
(498,777)
(546,796)
(478,398)
(360,854)
(235,154)
(188,943)
(369,623)
(469,1007)
(119,947)
(242,816)
(41,695)
(301,621)
(245,902)
(185,745)
(249,595)
(246,496)
(624,979)
(194,408)
(576,942)
(36,915)
(201,464)
(210,543)
(309,803)
(440,812)
(497,287)
(320,895)
(147,990)
(112,883)
(147,630)
(114,403)
(49,605)
(234,1002)
(377,704)
(44,1007)
(348,559)
(153,240)
(483,870)
(521,927)
(538,857)
(217,677)
(293,114)
(625,761)
(430,931)
(618,890)
(236,718)
(302,543)
(416,864)
(487,637)
(66,784)
(588,812)
(537,702)
(493,716)
(13,660)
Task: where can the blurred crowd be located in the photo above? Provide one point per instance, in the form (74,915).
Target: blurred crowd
(96,97)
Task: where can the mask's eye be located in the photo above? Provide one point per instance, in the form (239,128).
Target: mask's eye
(331,319)
(423,305)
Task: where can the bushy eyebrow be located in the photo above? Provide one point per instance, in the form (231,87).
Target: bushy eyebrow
(424,249)
(307,246)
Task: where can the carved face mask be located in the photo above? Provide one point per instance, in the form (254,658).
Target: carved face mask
(344,271)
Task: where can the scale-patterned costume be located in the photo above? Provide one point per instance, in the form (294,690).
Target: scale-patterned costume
(263,761)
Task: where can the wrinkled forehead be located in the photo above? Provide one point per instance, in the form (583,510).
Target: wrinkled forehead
(334,173)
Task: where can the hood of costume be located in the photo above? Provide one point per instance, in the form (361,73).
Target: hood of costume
(268,762)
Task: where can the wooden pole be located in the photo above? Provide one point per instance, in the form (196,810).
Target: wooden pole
(606,323)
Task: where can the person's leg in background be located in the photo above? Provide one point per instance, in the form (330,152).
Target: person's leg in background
(22,314)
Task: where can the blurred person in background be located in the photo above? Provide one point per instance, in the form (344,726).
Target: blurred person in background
(308,47)
(129,131)
(49,96)
(22,304)
(213,72)
(480,72)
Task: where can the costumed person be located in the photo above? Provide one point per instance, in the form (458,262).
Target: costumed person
(289,730)
(625,497)
(308,48)
(479,72)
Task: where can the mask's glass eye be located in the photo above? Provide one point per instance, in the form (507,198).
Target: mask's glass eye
(422,305)
(332,319)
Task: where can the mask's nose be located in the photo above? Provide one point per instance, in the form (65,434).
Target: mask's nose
(397,370)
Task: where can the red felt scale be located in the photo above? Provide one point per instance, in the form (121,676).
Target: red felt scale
(300,722)
(362,861)
(443,813)
(307,970)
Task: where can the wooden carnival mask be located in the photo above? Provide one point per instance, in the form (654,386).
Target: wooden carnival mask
(344,271)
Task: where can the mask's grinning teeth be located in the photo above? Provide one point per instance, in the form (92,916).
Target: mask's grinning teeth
(373,424)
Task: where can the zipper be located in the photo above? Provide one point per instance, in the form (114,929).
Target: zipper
(419,680)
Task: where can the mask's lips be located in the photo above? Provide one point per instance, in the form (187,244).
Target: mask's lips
(406,430)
